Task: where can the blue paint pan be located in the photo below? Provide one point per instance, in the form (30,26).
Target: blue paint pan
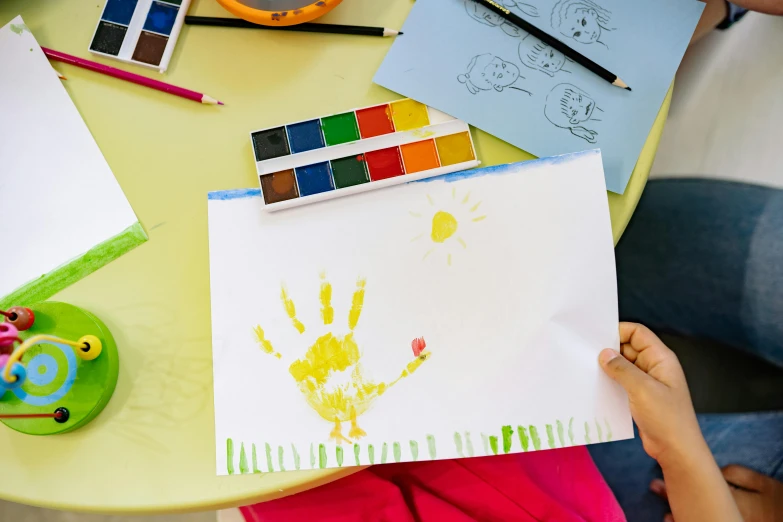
(305,136)
(314,179)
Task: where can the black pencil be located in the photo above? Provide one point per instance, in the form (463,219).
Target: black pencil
(554,43)
(306,27)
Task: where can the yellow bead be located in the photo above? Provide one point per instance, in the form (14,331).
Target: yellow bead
(89,347)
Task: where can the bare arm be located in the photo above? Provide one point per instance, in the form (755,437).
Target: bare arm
(715,12)
(661,406)
(773,7)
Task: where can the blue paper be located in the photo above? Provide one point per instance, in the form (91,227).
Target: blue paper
(461,58)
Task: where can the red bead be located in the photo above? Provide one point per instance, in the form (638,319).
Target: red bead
(22,318)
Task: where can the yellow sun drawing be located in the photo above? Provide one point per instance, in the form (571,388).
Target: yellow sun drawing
(446,220)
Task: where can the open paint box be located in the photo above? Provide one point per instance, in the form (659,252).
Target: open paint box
(279,12)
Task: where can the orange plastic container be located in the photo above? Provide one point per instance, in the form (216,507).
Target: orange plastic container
(279,12)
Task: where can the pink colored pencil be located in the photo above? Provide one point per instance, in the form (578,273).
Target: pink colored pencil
(130,77)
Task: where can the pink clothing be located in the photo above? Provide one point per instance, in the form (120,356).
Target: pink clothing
(560,485)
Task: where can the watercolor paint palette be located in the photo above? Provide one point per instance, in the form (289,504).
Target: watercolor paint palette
(143,32)
(358,150)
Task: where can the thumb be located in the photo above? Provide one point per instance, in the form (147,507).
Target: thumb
(621,370)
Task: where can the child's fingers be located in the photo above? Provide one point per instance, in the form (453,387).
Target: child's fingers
(650,351)
(627,351)
(621,370)
(637,335)
(743,477)
(658,487)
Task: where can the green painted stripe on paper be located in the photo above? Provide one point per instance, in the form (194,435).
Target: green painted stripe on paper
(431,449)
(524,441)
(281,458)
(571,430)
(485,443)
(230,456)
(550,436)
(493,443)
(599,430)
(384,453)
(255,458)
(534,438)
(458,444)
(68,273)
(561,434)
(243,459)
(269,466)
(338,453)
(414,450)
(356,451)
(371,453)
(312,456)
(469,444)
(321,456)
(397,452)
(587,434)
(508,438)
(297,464)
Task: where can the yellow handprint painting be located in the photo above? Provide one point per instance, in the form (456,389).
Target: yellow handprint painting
(330,375)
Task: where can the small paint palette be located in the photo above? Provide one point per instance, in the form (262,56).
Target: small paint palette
(143,32)
(358,150)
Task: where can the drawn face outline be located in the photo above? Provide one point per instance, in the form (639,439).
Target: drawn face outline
(577,107)
(483,15)
(499,74)
(581,24)
(550,60)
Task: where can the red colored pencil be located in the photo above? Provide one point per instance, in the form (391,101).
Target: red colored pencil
(130,77)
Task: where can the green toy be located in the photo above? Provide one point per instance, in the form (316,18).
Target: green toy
(72,388)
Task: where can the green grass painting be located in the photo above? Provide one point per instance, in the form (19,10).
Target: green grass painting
(243,456)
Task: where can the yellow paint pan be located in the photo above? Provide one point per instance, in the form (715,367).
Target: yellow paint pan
(279,12)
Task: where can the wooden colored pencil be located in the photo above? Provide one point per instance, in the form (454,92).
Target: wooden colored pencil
(130,77)
(306,27)
(556,44)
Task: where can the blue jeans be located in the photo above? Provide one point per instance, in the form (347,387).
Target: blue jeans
(703,259)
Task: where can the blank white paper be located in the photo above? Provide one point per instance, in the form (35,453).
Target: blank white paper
(58,196)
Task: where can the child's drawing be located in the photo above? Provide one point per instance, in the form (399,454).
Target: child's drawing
(486,72)
(484,16)
(329,375)
(444,223)
(537,55)
(582,20)
(568,107)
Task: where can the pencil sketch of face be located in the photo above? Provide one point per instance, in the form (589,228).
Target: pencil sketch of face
(484,16)
(582,20)
(569,107)
(537,55)
(486,72)
(576,104)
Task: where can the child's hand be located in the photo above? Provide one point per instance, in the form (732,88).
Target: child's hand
(661,406)
(657,391)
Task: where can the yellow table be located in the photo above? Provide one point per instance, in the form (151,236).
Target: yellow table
(153,448)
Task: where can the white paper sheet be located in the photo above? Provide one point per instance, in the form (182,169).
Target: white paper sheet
(58,197)
(514,305)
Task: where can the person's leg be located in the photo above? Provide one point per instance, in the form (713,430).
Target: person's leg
(704,258)
(752,440)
